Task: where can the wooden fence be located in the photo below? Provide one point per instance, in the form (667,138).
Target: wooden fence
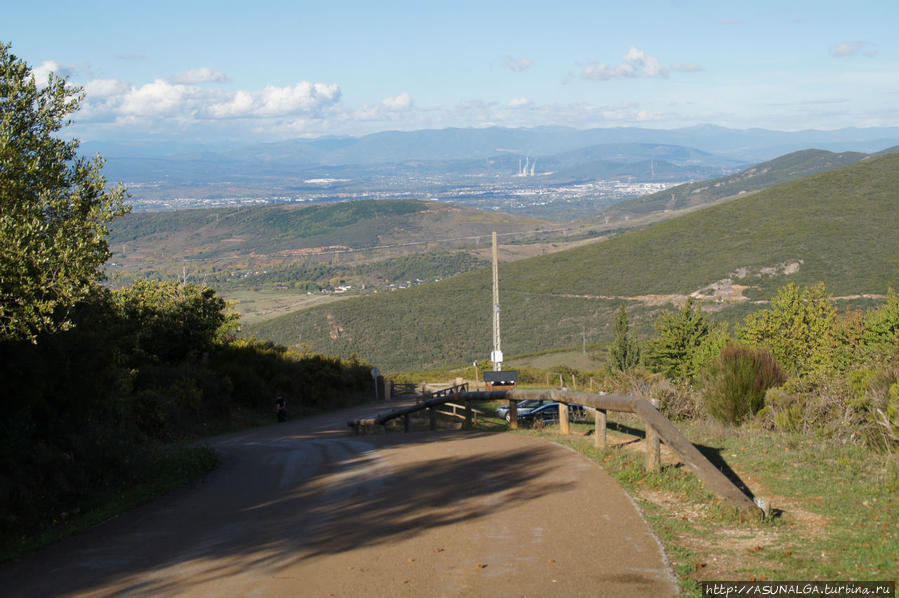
(658,429)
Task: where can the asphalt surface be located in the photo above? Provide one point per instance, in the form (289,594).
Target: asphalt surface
(304,509)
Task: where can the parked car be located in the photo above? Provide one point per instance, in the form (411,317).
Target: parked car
(523,407)
(549,414)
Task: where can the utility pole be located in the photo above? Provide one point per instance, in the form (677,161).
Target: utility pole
(496,356)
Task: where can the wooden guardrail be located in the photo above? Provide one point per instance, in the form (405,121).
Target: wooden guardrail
(455,412)
(658,429)
(430,401)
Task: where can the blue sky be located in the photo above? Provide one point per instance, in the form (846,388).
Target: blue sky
(239,71)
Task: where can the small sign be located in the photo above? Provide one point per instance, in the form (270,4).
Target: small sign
(504,378)
(375,372)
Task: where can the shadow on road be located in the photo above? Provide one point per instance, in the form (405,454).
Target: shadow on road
(340,494)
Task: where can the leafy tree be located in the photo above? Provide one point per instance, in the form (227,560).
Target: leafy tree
(170,321)
(882,326)
(625,350)
(54,206)
(679,337)
(798,328)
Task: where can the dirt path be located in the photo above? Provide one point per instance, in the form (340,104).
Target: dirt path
(303,509)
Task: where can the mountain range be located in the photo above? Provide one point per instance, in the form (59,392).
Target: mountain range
(476,151)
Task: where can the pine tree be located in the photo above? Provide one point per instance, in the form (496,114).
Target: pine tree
(625,350)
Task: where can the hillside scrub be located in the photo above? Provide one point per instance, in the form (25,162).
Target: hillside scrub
(799,365)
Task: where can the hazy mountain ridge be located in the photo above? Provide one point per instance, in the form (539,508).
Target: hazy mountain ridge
(453,143)
(711,145)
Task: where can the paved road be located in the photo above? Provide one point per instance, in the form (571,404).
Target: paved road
(303,509)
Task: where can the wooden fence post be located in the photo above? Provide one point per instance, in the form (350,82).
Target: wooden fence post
(406,423)
(467,415)
(599,434)
(513,414)
(432,418)
(564,428)
(653,445)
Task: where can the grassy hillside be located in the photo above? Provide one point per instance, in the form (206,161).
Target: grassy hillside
(264,229)
(160,244)
(837,227)
(767,174)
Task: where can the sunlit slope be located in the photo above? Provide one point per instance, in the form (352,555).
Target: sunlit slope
(762,176)
(211,233)
(838,227)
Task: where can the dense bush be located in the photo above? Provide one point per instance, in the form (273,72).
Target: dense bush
(142,366)
(798,328)
(734,384)
(683,342)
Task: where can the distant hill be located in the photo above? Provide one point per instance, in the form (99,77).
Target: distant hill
(256,237)
(838,227)
(767,174)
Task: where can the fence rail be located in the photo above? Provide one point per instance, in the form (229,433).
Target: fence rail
(658,429)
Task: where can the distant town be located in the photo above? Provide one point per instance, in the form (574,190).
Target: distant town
(493,194)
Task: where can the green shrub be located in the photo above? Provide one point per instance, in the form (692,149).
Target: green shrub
(678,338)
(624,353)
(783,410)
(798,328)
(882,327)
(735,383)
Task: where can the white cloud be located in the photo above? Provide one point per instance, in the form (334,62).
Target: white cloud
(104,88)
(273,101)
(520,102)
(41,73)
(635,63)
(517,64)
(201,75)
(849,48)
(400,103)
(159,98)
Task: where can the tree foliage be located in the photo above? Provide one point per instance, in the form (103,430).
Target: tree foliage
(679,338)
(169,321)
(54,205)
(799,328)
(624,353)
(882,326)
